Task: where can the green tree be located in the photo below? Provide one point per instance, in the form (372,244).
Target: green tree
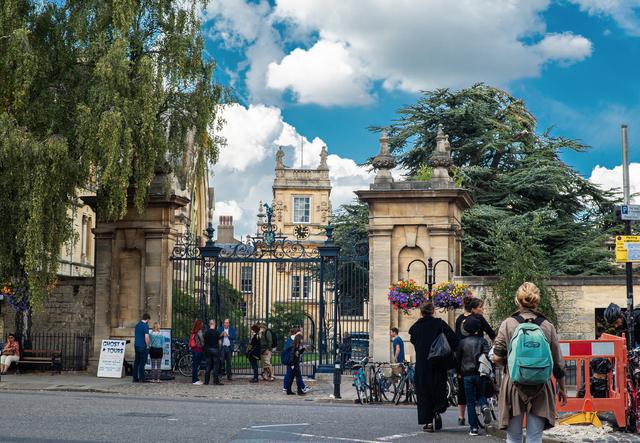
(511,170)
(521,257)
(285,316)
(97,90)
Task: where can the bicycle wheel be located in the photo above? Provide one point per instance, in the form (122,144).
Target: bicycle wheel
(184,365)
(452,393)
(388,387)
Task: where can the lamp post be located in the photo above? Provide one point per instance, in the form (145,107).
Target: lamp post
(210,252)
(430,270)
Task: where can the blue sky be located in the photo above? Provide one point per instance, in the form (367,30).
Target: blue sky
(324,70)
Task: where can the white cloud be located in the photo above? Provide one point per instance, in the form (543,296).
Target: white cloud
(337,50)
(612,178)
(422,44)
(244,174)
(326,74)
(565,47)
(626,13)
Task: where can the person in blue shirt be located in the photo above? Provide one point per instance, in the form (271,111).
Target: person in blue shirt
(397,347)
(141,346)
(228,337)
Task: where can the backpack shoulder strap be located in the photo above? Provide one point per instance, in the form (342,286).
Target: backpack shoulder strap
(519,318)
(539,320)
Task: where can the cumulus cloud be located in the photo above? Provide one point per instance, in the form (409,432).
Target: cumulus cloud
(626,13)
(565,47)
(244,173)
(327,74)
(336,50)
(612,179)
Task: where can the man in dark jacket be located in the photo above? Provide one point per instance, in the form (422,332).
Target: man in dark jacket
(468,353)
(212,352)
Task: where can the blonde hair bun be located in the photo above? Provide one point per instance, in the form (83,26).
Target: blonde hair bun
(528,295)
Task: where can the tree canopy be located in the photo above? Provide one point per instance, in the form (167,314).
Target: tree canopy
(514,174)
(97,91)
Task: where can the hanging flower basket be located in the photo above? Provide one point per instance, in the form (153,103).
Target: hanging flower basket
(406,295)
(449,295)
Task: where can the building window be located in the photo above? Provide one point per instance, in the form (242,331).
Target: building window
(83,239)
(301,209)
(246,279)
(300,286)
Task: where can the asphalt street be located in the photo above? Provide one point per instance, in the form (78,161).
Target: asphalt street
(88,417)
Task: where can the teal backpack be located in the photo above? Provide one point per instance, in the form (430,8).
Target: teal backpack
(530,361)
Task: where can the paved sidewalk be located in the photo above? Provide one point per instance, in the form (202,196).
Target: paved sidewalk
(237,389)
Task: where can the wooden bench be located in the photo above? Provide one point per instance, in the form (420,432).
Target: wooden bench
(42,357)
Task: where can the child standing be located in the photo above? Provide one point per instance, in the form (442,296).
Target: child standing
(469,351)
(294,363)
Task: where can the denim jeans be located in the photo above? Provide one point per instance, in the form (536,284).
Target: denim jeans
(535,426)
(225,360)
(298,377)
(295,372)
(139,362)
(254,366)
(196,359)
(474,392)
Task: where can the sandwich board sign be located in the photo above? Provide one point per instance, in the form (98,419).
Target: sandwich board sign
(111,358)
(627,248)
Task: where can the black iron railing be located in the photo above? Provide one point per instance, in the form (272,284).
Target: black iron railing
(74,348)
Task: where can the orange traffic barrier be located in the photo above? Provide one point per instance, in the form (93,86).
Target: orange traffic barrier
(586,408)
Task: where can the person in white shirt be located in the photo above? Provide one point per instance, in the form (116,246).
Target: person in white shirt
(228,337)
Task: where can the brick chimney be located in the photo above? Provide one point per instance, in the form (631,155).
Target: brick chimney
(225,230)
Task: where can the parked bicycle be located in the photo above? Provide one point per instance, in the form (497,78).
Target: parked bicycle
(360,379)
(181,357)
(452,388)
(406,386)
(385,379)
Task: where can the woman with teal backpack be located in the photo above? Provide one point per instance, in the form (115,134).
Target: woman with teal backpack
(528,388)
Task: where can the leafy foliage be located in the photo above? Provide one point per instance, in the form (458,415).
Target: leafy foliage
(110,92)
(512,172)
(521,257)
(286,316)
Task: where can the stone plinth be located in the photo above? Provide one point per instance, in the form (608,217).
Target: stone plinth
(132,267)
(407,221)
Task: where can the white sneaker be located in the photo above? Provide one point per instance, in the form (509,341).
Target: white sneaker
(284,390)
(198,383)
(306,389)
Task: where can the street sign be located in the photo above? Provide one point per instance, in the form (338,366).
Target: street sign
(630,212)
(627,248)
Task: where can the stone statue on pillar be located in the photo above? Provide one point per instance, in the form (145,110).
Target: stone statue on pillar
(323,160)
(280,158)
(384,162)
(441,160)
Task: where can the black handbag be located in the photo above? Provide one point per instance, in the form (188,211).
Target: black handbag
(440,352)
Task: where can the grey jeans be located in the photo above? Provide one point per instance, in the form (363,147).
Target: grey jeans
(535,426)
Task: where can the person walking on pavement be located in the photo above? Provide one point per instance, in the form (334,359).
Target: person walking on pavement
(470,348)
(294,363)
(253,351)
(430,377)
(212,352)
(228,335)
(397,347)
(266,346)
(285,359)
(196,344)
(141,347)
(537,402)
(156,342)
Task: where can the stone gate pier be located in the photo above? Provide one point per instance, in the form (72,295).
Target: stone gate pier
(409,220)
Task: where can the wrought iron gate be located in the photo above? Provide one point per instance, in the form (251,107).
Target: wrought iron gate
(280,282)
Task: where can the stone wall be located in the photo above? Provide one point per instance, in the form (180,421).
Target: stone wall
(69,309)
(578,299)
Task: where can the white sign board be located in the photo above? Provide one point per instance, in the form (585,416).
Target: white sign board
(630,212)
(111,358)
(166,348)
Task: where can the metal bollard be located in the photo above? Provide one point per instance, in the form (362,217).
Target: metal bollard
(337,378)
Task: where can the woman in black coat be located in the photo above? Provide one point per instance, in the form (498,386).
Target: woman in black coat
(431,380)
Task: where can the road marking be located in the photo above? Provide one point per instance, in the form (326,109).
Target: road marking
(172,419)
(276,426)
(397,436)
(320,437)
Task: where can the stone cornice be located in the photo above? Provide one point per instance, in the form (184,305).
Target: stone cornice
(460,196)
